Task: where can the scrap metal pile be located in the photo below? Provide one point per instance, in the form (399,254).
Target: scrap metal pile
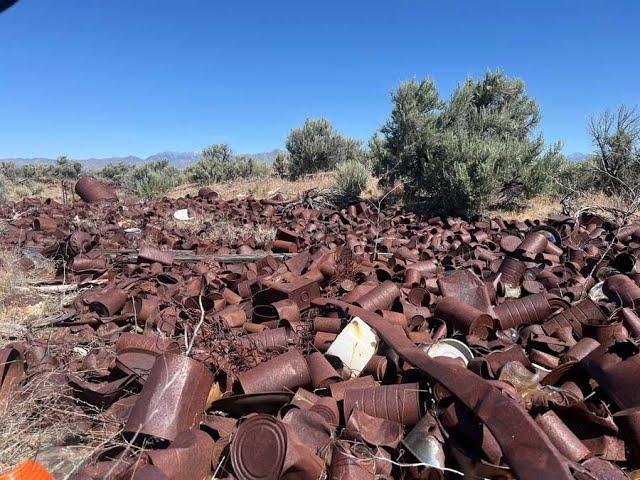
(357,344)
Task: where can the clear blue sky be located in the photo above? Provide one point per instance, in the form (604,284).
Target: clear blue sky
(116,77)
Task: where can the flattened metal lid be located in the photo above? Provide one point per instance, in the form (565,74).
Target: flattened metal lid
(258,449)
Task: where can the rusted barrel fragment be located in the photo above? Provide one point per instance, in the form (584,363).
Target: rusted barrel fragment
(92,190)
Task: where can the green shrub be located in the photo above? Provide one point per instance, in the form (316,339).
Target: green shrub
(245,167)
(153,179)
(8,170)
(33,171)
(116,172)
(351,178)
(474,152)
(66,169)
(63,169)
(219,164)
(281,165)
(4,194)
(318,146)
(576,177)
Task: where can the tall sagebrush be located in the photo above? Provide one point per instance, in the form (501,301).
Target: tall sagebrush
(153,179)
(117,172)
(318,146)
(4,193)
(473,152)
(219,164)
(281,165)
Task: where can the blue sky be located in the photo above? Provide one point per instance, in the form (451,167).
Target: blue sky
(116,77)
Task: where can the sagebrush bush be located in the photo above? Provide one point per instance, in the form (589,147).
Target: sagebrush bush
(8,170)
(351,178)
(27,171)
(62,169)
(473,152)
(153,179)
(281,165)
(66,169)
(576,177)
(117,172)
(219,164)
(4,194)
(318,146)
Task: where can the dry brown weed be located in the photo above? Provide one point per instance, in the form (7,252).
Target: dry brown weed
(223,230)
(22,308)
(261,187)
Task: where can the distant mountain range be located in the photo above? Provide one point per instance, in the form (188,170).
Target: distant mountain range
(182,159)
(177,159)
(577,156)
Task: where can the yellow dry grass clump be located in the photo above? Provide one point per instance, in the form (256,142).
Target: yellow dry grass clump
(39,188)
(542,206)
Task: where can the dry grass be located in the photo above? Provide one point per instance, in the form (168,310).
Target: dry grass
(22,308)
(539,207)
(222,230)
(43,417)
(39,188)
(542,206)
(262,187)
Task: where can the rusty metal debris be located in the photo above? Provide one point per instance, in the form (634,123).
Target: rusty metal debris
(418,348)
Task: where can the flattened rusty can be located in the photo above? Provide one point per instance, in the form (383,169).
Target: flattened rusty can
(533,244)
(464,318)
(321,371)
(622,290)
(581,312)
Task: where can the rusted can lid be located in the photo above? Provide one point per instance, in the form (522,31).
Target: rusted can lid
(259,448)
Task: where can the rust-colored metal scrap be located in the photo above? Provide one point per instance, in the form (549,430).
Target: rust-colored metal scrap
(493,348)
